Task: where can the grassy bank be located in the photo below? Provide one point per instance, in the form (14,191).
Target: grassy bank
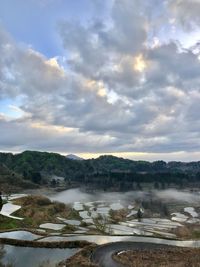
(81,259)
(43,244)
(35,210)
(7,223)
(176,257)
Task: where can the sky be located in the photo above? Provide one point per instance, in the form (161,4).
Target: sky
(94,77)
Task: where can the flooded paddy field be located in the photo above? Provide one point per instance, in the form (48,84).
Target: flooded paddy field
(34,257)
(164,217)
(146,213)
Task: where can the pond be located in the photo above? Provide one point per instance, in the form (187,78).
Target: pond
(34,257)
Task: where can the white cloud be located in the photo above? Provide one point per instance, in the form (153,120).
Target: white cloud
(116,94)
(185,12)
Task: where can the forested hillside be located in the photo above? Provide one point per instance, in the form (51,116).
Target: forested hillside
(105,171)
(10,181)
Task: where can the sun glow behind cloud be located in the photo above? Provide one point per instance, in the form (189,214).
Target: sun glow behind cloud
(52,128)
(139,63)
(182,155)
(53,62)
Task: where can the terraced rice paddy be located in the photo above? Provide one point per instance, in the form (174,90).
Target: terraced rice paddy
(114,217)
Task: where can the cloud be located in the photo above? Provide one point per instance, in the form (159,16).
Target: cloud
(17,135)
(185,12)
(114,93)
(25,71)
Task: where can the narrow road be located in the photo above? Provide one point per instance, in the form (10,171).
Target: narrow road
(103,254)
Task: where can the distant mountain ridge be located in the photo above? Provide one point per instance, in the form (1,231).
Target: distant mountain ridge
(57,164)
(74,157)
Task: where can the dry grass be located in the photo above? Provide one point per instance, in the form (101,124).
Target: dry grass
(183,232)
(39,209)
(118,215)
(81,259)
(189,231)
(176,257)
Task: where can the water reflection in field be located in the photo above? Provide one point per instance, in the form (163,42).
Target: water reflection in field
(177,209)
(20,235)
(34,257)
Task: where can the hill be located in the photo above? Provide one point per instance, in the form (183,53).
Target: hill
(104,172)
(74,157)
(11,181)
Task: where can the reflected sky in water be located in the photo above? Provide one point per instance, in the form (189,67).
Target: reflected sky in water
(33,257)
